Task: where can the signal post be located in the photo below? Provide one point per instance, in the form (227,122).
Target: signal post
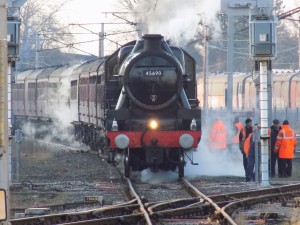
(263,50)
(4,156)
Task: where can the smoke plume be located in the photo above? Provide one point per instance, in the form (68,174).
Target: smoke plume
(176,20)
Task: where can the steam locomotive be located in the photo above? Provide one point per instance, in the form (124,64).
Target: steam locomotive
(140,101)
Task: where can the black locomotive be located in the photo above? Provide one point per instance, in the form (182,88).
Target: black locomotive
(141,100)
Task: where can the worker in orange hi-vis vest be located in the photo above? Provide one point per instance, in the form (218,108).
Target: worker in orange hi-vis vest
(238,128)
(247,144)
(218,135)
(285,146)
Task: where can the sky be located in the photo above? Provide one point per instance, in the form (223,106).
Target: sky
(177,21)
(291,4)
(84,12)
(87,11)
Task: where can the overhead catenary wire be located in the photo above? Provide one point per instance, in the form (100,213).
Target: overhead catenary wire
(83,42)
(70,45)
(77,43)
(98,34)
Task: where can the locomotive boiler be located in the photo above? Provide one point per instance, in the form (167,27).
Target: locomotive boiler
(140,101)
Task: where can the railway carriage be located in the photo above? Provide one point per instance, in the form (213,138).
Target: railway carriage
(18,96)
(284,96)
(43,93)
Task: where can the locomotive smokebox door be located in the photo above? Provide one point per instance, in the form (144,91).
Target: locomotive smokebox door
(262,38)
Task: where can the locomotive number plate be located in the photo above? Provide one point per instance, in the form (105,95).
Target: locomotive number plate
(153,73)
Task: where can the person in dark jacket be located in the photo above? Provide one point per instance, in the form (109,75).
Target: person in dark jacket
(250,173)
(274,130)
(248,129)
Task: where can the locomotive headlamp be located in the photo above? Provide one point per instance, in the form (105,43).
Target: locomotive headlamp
(153,124)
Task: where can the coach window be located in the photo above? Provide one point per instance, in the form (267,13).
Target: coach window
(92,89)
(297,95)
(293,93)
(252,95)
(73,89)
(217,95)
(277,94)
(285,91)
(93,80)
(240,95)
(235,95)
(99,79)
(246,95)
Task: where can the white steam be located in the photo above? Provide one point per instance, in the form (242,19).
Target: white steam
(228,162)
(291,4)
(61,112)
(216,162)
(176,20)
(147,176)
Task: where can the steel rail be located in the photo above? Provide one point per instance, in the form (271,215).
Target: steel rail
(201,205)
(210,201)
(255,193)
(166,205)
(124,208)
(142,208)
(233,206)
(129,219)
(203,209)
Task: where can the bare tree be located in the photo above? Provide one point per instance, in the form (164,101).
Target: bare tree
(127,4)
(130,15)
(41,30)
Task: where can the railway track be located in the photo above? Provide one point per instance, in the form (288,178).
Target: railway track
(195,208)
(131,212)
(220,208)
(174,202)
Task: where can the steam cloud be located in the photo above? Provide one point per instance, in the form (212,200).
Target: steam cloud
(178,20)
(228,162)
(291,4)
(218,162)
(61,114)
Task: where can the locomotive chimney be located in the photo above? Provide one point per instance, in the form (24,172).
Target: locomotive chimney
(152,42)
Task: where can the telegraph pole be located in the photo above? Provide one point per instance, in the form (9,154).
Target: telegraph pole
(101,41)
(205,105)
(230,61)
(37,48)
(4,155)
(299,44)
(205,80)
